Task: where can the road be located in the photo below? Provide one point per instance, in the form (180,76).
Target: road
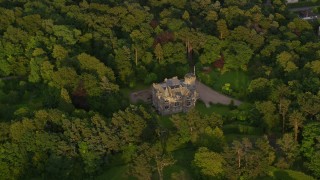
(210,96)
(302,8)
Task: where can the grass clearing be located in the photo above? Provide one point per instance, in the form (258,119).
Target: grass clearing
(239,128)
(175,170)
(238,81)
(231,137)
(115,173)
(237,131)
(280,174)
(217,108)
(164,121)
(184,158)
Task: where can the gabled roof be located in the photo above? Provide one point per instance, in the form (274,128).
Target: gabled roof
(172,88)
(172,82)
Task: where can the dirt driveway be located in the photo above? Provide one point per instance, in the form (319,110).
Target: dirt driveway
(208,96)
(142,95)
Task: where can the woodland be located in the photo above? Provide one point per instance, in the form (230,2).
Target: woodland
(67,68)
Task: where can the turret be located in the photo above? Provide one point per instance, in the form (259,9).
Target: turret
(190,80)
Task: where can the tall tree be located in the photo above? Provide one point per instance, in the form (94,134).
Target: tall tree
(283,110)
(287,61)
(268,109)
(247,160)
(163,161)
(296,120)
(289,148)
(210,163)
(223,29)
(311,137)
(124,64)
(309,103)
(149,159)
(310,147)
(299,25)
(128,125)
(158,52)
(280,95)
(237,56)
(211,50)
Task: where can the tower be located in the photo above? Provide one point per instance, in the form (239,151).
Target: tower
(190,80)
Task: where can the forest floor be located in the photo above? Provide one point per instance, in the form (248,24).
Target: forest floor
(9,77)
(210,96)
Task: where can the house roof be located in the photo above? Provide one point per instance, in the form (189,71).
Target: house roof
(173,88)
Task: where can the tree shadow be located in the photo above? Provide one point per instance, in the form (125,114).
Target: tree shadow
(282,175)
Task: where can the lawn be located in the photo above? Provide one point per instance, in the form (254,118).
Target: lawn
(231,137)
(164,121)
(183,165)
(280,174)
(238,81)
(217,108)
(174,170)
(238,128)
(115,173)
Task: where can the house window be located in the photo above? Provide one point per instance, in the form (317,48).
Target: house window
(176,104)
(188,103)
(166,107)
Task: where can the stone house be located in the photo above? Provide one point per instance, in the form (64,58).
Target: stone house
(174,95)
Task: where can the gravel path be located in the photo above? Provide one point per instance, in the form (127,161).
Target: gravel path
(307,8)
(208,95)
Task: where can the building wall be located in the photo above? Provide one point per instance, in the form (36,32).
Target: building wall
(292,1)
(164,107)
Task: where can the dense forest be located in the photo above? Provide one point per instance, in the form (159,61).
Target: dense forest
(67,68)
